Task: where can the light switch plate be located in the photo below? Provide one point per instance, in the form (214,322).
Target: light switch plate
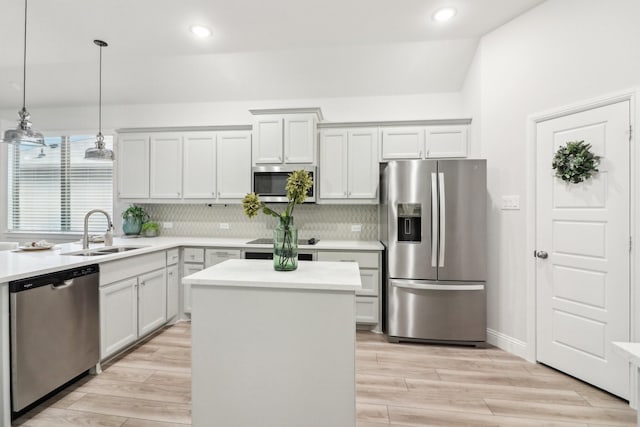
(356,228)
(224,225)
(511,203)
(167,225)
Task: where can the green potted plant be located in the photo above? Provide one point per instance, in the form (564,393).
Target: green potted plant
(285,235)
(150,229)
(133,218)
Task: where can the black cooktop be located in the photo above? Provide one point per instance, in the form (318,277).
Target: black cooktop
(267,241)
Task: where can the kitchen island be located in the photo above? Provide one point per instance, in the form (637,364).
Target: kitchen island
(274,348)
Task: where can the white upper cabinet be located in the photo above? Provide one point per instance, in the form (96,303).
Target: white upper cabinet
(425,142)
(233,165)
(165,176)
(285,136)
(199,174)
(133,166)
(446,141)
(268,132)
(299,138)
(349,165)
(402,143)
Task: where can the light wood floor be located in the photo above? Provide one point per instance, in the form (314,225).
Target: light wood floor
(397,386)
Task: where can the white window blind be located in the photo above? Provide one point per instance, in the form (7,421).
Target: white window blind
(52,188)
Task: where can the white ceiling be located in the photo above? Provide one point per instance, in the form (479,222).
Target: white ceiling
(259,49)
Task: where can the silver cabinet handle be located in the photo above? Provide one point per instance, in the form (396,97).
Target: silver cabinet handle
(420,154)
(178,194)
(171,273)
(542,254)
(434,220)
(443,228)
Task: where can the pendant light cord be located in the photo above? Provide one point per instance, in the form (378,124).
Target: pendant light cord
(24,61)
(100,95)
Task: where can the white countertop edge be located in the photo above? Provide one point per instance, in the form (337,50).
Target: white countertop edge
(247,284)
(629,350)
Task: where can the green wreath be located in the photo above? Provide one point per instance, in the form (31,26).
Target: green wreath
(575,162)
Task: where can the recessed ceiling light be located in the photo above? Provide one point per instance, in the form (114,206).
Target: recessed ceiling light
(445,14)
(200,31)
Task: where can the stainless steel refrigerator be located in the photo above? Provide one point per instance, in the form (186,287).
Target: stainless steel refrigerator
(433,225)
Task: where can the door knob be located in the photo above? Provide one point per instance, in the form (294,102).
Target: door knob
(542,254)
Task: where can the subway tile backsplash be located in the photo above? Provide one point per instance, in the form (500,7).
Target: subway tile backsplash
(330,222)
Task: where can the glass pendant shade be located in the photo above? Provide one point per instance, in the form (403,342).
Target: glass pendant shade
(23,134)
(99,152)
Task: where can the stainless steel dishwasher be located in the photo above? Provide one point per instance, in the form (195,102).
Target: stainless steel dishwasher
(55,333)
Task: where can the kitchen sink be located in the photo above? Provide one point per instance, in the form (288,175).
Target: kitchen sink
(107,250)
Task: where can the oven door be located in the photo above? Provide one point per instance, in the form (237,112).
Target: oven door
(270,182)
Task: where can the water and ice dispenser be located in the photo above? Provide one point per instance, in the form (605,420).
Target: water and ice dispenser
(409,221)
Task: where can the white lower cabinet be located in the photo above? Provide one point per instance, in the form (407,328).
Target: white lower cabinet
(186,295)
(133,300)
(173,290)
(368,309)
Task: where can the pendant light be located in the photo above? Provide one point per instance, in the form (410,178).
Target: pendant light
(99,152)
(23,134)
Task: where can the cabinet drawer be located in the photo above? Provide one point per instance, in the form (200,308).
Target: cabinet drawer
(193,255)
(173,255)
(364,259)
(216,256)
(114,271)
(367,310)
(369,279)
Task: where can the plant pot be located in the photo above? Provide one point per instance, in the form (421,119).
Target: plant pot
(150,233)
(131,226)
(285,246)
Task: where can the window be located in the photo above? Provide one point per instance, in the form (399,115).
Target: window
(52,188)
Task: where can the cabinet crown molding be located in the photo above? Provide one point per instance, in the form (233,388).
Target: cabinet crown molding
(309,110)
(185,129)
(432,122)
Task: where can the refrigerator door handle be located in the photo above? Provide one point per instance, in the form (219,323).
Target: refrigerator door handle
(434,220)
(411,284)
(443,228)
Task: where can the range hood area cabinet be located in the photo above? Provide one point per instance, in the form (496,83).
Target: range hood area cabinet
(285,136)
(348,166)
(166,167)
(424,142)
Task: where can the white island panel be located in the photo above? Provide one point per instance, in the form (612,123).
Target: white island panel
(274,355)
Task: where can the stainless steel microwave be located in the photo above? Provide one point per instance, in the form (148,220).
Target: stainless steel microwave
(269,181)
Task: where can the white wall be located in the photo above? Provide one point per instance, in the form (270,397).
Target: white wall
(404,107)
(560,53)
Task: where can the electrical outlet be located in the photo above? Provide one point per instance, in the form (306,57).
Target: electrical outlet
(224,226)
(167,225)
(356,228)
(510,203)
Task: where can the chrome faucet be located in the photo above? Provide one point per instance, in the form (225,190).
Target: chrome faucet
(108,236)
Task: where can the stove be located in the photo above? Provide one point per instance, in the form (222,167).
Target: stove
(268,241)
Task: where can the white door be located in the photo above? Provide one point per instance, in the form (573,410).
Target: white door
(363,164)
(118,316)
(133,166)
(299,138)
(152,301)
(583,285)
(268,140)
(165,179)
(199,172)
(333,164)
(234,165)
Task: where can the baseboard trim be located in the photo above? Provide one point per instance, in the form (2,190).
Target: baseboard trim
(507,343)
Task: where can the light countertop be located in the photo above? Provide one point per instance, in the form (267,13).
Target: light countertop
(629,350)
(20,264)
(316,275)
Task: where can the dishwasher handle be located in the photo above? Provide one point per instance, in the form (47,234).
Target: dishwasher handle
(62,285)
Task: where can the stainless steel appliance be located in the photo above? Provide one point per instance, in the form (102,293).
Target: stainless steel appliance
(433,224)
(55,333)
(269,182)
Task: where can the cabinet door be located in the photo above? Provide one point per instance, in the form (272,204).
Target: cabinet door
(268,140)
(118,316)
(173,287)
(363,164)
(165,179)
(299,138)
(216,256)
(402,143)
(186,295)
(446,141)
(133,166)
(152,301)
(199,172)
(333,164)
(234,165)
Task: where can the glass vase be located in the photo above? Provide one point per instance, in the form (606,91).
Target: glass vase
(131,225)
(285,245)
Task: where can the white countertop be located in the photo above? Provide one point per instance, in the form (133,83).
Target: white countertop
(630,350)
(20,264)
(316,275)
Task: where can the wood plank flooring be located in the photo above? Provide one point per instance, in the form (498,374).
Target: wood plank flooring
(398,385)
